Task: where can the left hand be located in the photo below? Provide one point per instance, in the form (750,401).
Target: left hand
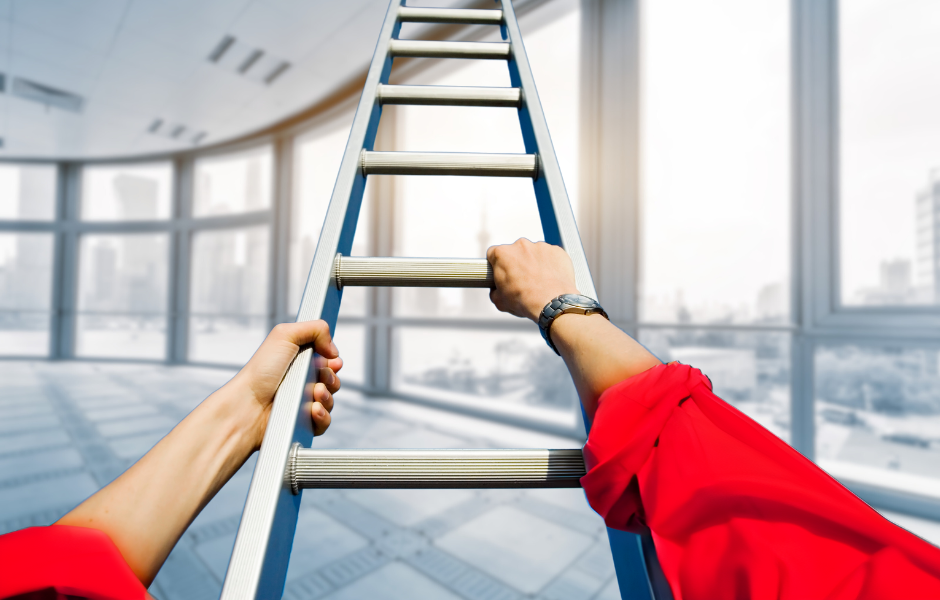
(258,380)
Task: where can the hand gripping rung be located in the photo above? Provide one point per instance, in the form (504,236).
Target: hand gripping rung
(448,468)
(441,95)
(412,272)
(434,49)
(466,16)
(449,163)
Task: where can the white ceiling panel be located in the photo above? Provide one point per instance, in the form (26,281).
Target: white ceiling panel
(35,44)
(160,59)
(132,90)
(195,39)
(218,14)
(89,23)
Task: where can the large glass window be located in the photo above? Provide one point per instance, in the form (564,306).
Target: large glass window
(889,125)
(878,415)
(750,370)
(122,295)
(27,192)
(715,216)
(229,287)
(233,183)
(25,293)
(127,192)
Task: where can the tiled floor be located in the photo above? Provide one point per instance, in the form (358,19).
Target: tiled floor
(67,429)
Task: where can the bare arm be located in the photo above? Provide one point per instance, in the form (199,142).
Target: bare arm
(147,509)
(598,354)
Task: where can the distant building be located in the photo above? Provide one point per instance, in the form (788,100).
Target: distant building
(927,270)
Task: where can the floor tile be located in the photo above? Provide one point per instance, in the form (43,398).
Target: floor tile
(43,495)
(137,425)
(31,441)
(408,507)
(318,541)
(524,551)
(395,581)
(120,412)
(39,462)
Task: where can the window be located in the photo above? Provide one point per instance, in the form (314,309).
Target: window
(27,192)
(715,162)
(890,162)
(233,183)
(127,192)
(750,370)
(228,294)
(122,295)
(878,415)
(25,293)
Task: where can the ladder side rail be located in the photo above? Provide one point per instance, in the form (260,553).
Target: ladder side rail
(558,223)
(260,557)
(559,227)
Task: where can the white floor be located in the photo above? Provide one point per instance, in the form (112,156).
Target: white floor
(68,428)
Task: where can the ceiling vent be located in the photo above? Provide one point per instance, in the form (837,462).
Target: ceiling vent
(176,131)
(44,94)
(253,63)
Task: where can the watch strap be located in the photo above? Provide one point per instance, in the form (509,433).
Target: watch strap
(564,304)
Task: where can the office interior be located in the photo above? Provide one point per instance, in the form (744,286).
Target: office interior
(756,184)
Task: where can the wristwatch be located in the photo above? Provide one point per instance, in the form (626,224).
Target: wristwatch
(566,303)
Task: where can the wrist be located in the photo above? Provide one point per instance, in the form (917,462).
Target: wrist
(240,416)
(542,299)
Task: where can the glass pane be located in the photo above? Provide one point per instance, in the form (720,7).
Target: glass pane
(889,194)
(317,158)
(230,271)
(229,340)
(234,183)
(27,192)
(127,192)
(715,161)
(513,369)
(878,416)
(750,371)
(25,271)
(350,338)
(24,333)
(123,273)
(121,336)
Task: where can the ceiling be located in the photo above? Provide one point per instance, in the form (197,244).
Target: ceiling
(139,65)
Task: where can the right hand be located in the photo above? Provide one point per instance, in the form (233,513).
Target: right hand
(528,276)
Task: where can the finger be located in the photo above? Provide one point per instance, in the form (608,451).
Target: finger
(322,395)
(321,418)
(491,253)
(328,378)
(334,363)
(308,332)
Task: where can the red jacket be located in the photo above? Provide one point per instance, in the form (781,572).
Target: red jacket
(735,512)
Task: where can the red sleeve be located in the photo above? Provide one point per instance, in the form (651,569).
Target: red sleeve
(74,561)
(734,511)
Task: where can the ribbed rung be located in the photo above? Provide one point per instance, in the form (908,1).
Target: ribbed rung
(441,95)
(434,468)
(466,16)
(434,49)
(412,272)
(449,163)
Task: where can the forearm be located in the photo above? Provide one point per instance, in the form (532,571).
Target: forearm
(598,355)
(146,510)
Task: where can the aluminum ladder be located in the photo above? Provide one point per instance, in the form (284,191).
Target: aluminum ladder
(286,464)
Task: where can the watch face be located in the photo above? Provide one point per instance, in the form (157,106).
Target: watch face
(579,300)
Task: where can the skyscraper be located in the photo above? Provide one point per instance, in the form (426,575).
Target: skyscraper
(927,268)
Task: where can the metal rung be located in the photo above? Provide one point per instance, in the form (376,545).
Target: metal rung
(423,49)
(449,163)
(309,468)
(467,16)
(412,272)
(441,95)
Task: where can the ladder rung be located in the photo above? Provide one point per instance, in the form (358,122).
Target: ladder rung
(424,49)
(441,95)
(466,16)
(448,468)
(449,163)
(412,272)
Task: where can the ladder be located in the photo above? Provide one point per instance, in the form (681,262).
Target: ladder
(286,465)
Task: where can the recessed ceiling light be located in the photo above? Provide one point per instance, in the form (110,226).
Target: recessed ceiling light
(155,126)
(253,63)
(221,48)
(199,137)
(44,94)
